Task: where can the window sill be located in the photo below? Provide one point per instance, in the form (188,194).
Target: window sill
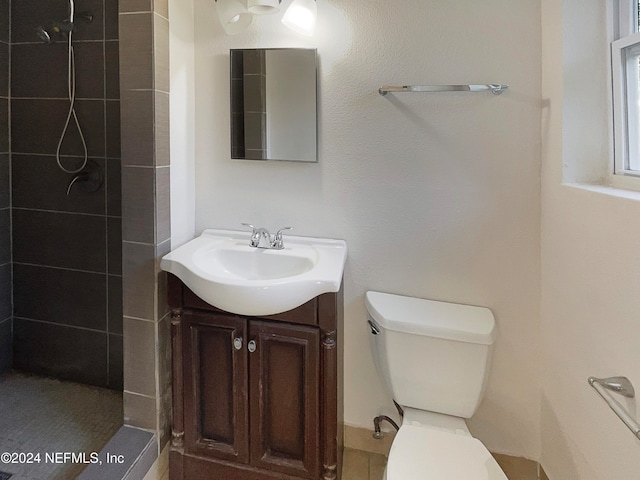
(615,189)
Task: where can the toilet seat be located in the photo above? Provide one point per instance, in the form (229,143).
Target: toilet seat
(424,453)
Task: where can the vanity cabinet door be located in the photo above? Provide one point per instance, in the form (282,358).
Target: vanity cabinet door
(284,373)
(215,387)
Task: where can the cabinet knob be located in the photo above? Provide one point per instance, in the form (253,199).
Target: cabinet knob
(251,346)
(237,343)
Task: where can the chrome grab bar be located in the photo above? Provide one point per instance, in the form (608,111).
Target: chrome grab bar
(495,88)
(622,386)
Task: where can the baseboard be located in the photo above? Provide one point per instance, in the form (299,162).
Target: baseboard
(516,468)
(519,468)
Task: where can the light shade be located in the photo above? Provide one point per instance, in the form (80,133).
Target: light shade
(301,16)
(261,7)
(233,16)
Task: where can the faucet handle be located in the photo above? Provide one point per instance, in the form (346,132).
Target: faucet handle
(277,242)
(255,238)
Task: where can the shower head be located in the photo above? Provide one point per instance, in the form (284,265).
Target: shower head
(43,34)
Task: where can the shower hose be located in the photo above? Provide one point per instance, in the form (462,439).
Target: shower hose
(71,86)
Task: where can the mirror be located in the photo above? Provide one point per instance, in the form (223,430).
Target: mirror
(273,104)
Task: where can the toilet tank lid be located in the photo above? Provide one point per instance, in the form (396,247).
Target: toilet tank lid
(449,321)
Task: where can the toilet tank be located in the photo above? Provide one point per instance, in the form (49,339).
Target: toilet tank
(433,356)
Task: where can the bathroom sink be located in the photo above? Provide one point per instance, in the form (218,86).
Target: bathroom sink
(225,271)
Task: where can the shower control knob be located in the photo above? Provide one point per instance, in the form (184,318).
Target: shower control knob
(237,343)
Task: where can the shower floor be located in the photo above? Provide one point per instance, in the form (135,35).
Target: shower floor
(52,418)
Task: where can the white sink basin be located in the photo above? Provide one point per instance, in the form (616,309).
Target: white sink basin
(221,268)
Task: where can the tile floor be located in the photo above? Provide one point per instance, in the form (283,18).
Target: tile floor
(47,416)
(359,465)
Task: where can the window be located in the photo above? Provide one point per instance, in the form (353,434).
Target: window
(625,67)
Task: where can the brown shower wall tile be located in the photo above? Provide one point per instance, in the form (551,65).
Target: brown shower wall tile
(163,205)
(161,122)
(136,51)
(80,238)
(4,180)
(113,129)
(63,240)
(6,350)
(127,6)
(139,355)
(63,352)
(5,237)
(114,245)
(139,411)
(110,19)
(32,132)
(115,362)
(138,205)
(162,307)
(29,61)
(26,14)
(4,125)
(93,30)
(53,295)
(38,183)
(137,129)
(112,63)
(5,291)
(114,187)
(161,53)
(115,304)
(5,11)
(138,280)
(4,69)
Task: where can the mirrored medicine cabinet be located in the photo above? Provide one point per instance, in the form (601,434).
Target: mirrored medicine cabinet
(273,104)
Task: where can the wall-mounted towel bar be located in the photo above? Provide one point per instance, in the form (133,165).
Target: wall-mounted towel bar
(622,386)
(495,88)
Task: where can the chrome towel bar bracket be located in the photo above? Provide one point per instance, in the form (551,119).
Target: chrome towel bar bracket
(621,386)
(495,88)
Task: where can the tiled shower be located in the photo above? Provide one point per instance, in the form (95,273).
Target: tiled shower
(5,199)
(60,247)
(87,291)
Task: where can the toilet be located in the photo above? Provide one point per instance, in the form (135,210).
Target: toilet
(434,357)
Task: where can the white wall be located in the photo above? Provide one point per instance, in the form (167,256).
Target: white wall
(590,256)
(437,195)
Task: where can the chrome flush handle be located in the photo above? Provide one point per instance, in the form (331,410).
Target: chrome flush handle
(375,330)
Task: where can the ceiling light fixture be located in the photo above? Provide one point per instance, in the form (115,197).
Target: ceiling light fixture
(262,7)
(233,16)
(301,16)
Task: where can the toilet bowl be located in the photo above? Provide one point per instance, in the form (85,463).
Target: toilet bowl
(434,357)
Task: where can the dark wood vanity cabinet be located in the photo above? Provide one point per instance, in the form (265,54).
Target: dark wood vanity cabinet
(255,398)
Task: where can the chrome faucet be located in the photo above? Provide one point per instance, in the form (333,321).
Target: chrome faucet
(274,242)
